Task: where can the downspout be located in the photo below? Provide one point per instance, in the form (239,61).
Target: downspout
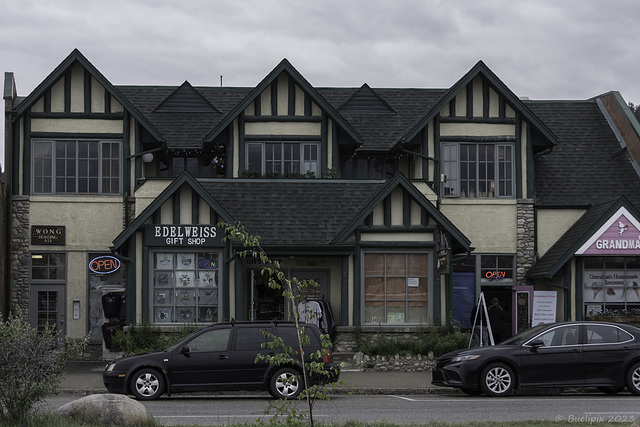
(9,173)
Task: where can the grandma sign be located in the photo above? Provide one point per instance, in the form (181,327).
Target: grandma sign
(620,235)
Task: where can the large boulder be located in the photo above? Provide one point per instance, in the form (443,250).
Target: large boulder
(107,409)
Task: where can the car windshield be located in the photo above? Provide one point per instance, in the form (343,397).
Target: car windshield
(523,336)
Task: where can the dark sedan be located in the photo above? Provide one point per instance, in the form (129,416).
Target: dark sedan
(557,355)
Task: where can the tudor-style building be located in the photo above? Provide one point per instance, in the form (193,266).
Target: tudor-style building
(403,204)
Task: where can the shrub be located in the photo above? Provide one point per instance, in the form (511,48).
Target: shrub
(145,338)
(439,340)
(32,362)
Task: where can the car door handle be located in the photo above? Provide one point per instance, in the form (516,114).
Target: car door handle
(222,357)
(575,350)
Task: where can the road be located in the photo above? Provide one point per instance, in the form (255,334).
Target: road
(227,410)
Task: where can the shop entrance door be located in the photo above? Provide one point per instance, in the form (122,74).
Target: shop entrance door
(522,304)
(46,305)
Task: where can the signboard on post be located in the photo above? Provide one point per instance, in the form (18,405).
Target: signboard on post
(544,307)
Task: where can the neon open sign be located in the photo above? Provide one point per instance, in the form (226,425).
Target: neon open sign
(104,264)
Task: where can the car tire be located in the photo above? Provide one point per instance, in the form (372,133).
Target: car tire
(611,391)
(497,380)
(633,379)
(285,384)
(147,384)
(470,391)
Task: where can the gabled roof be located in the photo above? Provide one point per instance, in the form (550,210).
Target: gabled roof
(176,184)
(186,99)
(285,67)
(480,69)
(76,57)
(571,241)
(399,181)
(365,100)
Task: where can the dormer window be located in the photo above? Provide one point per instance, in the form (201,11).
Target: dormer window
(285,159)
(477,170)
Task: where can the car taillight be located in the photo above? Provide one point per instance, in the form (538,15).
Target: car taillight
(328,356)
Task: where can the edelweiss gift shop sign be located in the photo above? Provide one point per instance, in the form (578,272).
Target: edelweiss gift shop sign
(620,235)
(182,235)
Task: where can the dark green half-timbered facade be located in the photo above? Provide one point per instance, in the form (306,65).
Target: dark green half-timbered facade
(404,205)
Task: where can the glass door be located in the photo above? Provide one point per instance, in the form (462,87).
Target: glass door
(522,304)
(47,306)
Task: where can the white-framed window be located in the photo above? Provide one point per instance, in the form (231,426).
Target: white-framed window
(477,170)
(283,158)
(72,167)
(185,286)
(396,287)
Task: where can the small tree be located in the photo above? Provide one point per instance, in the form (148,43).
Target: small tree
(31,366)
(313,365)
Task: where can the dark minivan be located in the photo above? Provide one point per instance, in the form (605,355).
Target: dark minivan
(220,357)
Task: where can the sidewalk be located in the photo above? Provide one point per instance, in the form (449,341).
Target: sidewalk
(86,378)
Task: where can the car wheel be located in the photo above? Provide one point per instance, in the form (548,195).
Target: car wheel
(147,384)
(497,380)
(611,390)
(633,379)
(285,384)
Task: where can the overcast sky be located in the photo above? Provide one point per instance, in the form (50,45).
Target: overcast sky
(542,49)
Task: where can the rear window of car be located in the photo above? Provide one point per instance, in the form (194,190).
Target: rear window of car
(605,334)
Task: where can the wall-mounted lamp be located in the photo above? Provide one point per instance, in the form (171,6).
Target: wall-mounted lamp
(147,157)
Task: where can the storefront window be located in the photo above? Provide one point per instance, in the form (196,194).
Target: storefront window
(107,301)
(611,283)
(185,287)
(496,269)
(396,287)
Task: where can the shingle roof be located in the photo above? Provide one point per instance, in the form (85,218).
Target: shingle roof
(181,129)
(568,243)
(582,169)
(293,212)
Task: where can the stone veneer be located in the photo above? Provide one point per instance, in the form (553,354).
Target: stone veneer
(19,295)
(525,256)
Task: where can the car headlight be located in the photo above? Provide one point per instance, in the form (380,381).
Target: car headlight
(110,366)
(465,358)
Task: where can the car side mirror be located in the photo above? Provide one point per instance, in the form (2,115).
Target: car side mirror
(185,350)
(536,344)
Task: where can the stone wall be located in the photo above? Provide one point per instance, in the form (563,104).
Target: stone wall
(525,257)
(19,294)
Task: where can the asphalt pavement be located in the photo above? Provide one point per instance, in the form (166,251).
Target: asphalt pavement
(85,378)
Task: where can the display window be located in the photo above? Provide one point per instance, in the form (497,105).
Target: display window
(185,287)
(396,287)
(611,284)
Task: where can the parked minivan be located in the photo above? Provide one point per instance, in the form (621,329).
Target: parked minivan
(221,357)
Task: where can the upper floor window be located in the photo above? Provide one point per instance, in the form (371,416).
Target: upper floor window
(368,168)
(283,158)
(477,170)
(77,167)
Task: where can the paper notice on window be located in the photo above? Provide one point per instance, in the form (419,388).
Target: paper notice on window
(413,282)
(544,307)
